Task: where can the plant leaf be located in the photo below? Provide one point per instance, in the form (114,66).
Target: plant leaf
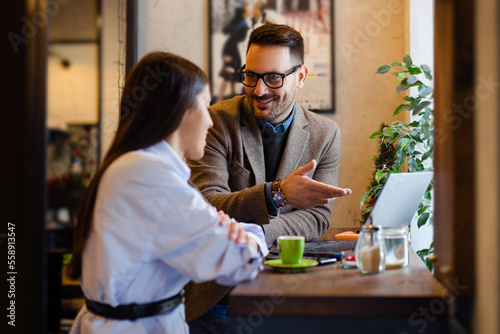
(396,64)
(421,106)
(412,79)
(428,195)
(405,142)
(401,77)
(415,70)
(383,69)
(422,219)
(387,132)
(375,134)
(416,83)
(398,109)
(408,106)
(423,252)
(401,88)
(407,60)
(367,210)
(427,71)
(401,157)
(412,165)
(426,90)
(408,98)
(426,68)
(422,209)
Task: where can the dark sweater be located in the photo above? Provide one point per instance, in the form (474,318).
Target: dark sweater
(274,145)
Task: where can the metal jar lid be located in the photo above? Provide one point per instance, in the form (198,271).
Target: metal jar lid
(369,228)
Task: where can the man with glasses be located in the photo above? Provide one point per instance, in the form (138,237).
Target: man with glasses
(268,160)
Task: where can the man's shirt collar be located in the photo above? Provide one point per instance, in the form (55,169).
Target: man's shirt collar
(282,127)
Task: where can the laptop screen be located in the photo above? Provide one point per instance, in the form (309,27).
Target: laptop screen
(399,199)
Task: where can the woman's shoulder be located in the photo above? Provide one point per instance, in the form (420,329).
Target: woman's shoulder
(148,163)
(138,159)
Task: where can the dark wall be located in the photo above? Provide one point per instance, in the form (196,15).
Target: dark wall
(23,166)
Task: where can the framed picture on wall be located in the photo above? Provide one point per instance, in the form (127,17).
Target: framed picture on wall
(232,21)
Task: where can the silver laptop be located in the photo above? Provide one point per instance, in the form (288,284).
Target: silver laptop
(395,206)
(399,199)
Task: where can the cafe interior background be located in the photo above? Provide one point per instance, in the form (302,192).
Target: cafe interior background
(85,58)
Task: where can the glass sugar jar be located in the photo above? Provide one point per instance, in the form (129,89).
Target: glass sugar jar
(370,250)
(397,248)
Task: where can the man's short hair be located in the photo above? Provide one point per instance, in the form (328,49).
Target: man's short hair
(280,35)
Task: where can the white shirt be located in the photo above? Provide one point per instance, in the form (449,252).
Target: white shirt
(152,233)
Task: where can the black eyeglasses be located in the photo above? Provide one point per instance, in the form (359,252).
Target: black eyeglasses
(272,80)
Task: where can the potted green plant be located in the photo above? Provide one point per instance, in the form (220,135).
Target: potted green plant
(406,147)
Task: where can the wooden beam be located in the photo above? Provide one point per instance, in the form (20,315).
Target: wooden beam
(454,105)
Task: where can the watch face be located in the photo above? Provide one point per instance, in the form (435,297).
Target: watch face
(277,198)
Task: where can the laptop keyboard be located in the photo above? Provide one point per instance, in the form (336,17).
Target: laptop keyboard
(328,246)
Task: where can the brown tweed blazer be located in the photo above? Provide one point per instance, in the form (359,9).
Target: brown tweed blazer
(231,176)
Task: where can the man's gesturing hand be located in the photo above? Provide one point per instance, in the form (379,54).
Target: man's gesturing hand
(304,193)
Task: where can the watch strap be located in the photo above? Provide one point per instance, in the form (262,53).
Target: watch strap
(279,197)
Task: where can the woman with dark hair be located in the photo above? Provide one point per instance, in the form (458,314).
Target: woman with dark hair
(143,232)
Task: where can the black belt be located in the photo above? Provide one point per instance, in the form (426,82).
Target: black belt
(134,311)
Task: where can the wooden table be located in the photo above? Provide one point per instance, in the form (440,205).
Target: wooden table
(407,300)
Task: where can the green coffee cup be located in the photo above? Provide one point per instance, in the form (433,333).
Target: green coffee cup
(291,248)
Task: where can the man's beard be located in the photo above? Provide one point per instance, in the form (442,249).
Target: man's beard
(276,110)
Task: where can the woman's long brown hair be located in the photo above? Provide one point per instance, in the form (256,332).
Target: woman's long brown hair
(157,92)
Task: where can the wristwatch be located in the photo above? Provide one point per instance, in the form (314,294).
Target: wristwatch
(279,198)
